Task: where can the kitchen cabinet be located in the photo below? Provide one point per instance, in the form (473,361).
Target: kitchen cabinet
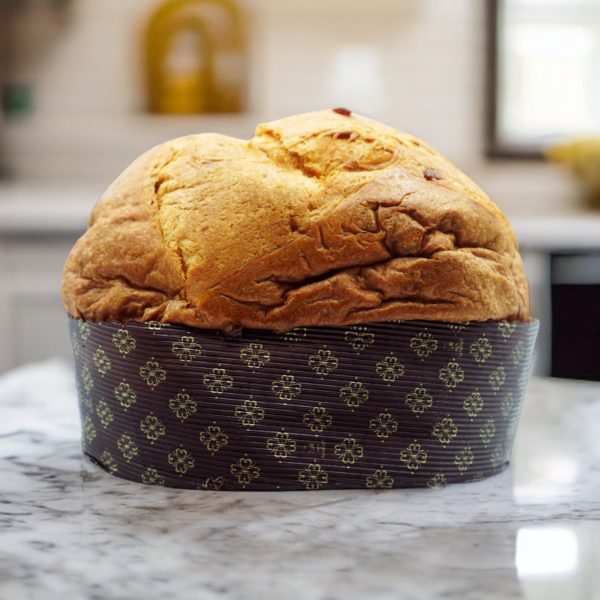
(37,230)
(33,325)
(559,251)
(575,280)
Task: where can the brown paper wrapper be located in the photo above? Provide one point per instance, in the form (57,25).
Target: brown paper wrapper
(381,405)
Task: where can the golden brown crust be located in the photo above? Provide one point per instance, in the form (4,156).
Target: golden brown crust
(320,219)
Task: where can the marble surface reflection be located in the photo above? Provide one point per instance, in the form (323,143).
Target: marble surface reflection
(69,530)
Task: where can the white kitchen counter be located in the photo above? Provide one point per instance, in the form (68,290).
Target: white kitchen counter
(46,210)
(70,530)
(556,233)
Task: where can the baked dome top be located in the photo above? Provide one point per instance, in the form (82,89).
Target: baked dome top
(325,218)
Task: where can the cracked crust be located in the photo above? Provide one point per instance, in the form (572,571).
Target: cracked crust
(320,219)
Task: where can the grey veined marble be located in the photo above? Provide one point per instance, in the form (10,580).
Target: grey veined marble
(68,530)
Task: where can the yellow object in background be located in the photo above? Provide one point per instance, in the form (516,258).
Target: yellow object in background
(194,57)
(583,158)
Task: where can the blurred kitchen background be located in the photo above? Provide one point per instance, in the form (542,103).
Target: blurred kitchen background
(498,86)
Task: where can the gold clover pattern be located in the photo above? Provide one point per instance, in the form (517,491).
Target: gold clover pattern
(105,415)
(108,462)
(89,431)
(152,373)
(423,344)
(507,404)
(455,346)
(181,460)
(275,410)
(152,427)
(323,362)
(127,447)
(254,356)
(102,361)
(506,328)
(313,477)
(87,379)
(481,349)
(419,400)
(348,450)
(76,344)
(487,431)
(437,481)
(451,375)
(213,483)
(125,395)
(383,425)
(517,353)
(218,381)
(86,401)
(354,394)
(84,330)
(463,459)
(359,338)
(473,404)
(151,476)
(445,430)
(317,419)
(249,413)
(156,326)
(497,378)
(380,479)
(281,445)
(182,405)
(186,349)
(286,388)
(214,438)
(497,456)
(413,457)
(389,369)
(245,471)
(123,341)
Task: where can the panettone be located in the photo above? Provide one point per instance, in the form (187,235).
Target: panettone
(331,304)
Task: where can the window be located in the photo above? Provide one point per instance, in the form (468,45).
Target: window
(544,75)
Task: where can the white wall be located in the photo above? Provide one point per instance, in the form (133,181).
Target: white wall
(415,64)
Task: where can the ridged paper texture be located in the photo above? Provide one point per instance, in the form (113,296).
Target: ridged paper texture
(402,404)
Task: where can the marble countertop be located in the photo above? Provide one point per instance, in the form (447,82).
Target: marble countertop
(69,530)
